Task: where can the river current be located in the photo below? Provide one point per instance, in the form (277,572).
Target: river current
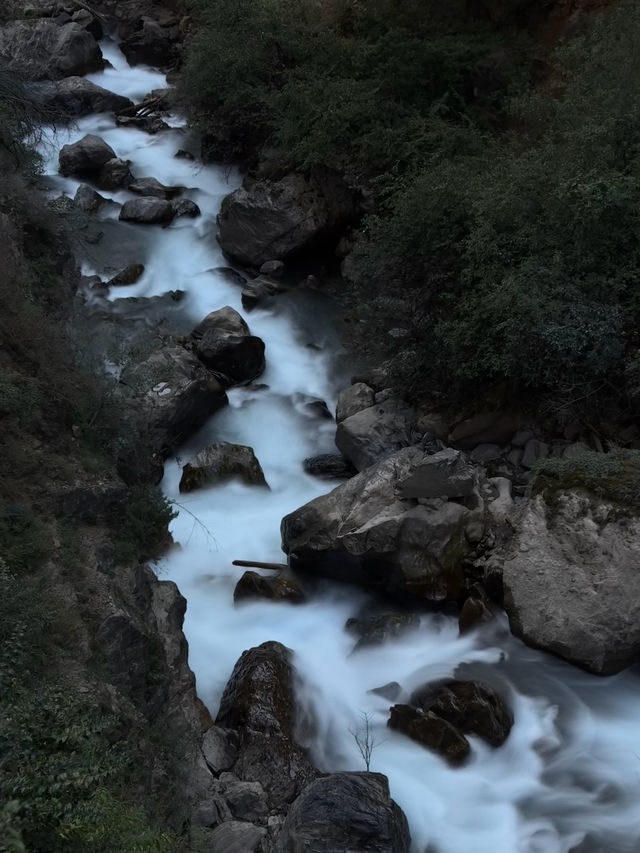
(568,777)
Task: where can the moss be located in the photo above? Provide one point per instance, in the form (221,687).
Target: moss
(611,476)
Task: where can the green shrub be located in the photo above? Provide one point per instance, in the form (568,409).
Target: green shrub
(612,476)
(140,525)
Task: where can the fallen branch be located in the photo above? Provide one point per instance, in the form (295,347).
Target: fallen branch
(249,564)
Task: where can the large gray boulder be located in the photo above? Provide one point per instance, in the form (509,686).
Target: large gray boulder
(165,399)
(41,49)
(77,96)
(152,187)
(147,210)
(85,158)
(372,434)
(223,342)
(364,532)
(270,220)
(354,399)
(345,812)
(572,581)
(259,704)
(220,462)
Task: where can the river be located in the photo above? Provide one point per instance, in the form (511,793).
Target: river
(568,777)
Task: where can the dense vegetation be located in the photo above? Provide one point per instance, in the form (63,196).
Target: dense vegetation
(503,247)
(68,774)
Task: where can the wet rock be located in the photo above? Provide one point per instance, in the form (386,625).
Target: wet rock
(86,157)
(271,220)
(486,453)
(471,707)
(376,630)
(219,748)
(345,812)
(231,275)
(42,50)
(246,800)
(155,41)
(534,451)
(363,533)
(185,207)
(236,836)
(571,581)
(447,473)
(375,433)
(147,210)
(129,275)
(224,344)
(148,124)
(258,702)
(354,399)
(88,22)
(88,199)
(477,609)
(431,731)
(151,187)
(220,462)
(390,691)
(272,268)
(115,175)
(495,427)
(181,154)
(329,466)
(77,96)
(259,291)
(252,585)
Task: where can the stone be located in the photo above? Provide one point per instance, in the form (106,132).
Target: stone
(486,453)
(129,275)
(219,748)
(447,473)
(376,630)
(272,220)
(534,451)
(363,533)
(147,210)
(501,503)
(88,22)
(354,399)
(42,50)
(329,466)
(219,463)
(88,199)
(154,42)
(522,437)
(236,836)
(431,731)
(246,800)
(571,581)
(374,433)
(391,691)
(115,175)
(152,187)
(181,154)
(151,124)
(478,609)
(276,588)
(185,207)
(272,268)
(487,428)
(473,708)
(345,813)
(86,157)
(260,291)
(224,344)
(76,96)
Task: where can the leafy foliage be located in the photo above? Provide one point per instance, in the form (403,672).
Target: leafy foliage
(613,476)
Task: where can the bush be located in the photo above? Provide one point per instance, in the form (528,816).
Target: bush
(612,476)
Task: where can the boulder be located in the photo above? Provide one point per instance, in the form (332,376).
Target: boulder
(148,124)
(477,609)
(219,748)
(473,708)
(260,291)
(185,207)
(342,812)
(329,466)
(165,399)
(372,434)
(236,836)
(223,343)
(246,800)
(77,96)
(278,588)
(571,581)
(362,532)
(115,175)
(271,220)
(86,157)
(430,730)
(220,462)
(376,630)
(147,210)
(129,275)
(43,50)
(88,199)
(272,268)
(152,187)
(447,473)
(258,702)
(88,22)
(354,399)
(155,41)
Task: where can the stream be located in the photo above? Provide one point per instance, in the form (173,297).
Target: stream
(568,776)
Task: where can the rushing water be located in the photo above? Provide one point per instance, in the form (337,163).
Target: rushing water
(568,777)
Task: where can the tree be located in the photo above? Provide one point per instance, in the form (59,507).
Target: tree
(365,738)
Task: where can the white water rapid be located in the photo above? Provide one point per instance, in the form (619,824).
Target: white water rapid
(568,777)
